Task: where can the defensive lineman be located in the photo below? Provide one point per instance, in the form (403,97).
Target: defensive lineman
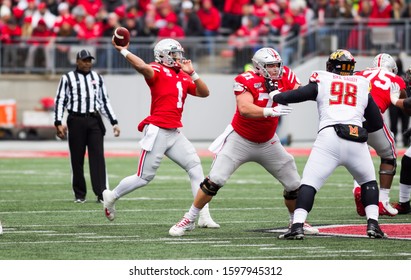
(343,101)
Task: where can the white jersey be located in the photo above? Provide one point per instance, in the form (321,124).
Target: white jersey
(340,99)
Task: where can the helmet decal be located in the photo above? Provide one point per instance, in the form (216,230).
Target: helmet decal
(341,62)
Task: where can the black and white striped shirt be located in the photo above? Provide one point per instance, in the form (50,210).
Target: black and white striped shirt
(82,93)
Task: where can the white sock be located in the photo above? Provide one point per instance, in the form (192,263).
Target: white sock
(405,192)
(384,194)
(196,177)
(192,214)
(371,211)
(300,215)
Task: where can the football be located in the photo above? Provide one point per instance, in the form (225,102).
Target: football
(121,36)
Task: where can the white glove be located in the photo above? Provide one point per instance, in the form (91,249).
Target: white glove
(274,92)
(279,110)
(395,93)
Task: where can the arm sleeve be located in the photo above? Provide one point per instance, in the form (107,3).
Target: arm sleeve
(60,101)
(105,108)
(307,92)
(373,116)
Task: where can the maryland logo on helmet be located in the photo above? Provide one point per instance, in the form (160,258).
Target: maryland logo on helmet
(341,62)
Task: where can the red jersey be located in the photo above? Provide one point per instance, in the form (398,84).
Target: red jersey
(259,130)
(169,91)
(381,80)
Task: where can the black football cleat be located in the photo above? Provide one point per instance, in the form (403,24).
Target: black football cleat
(374,231)
(296,232)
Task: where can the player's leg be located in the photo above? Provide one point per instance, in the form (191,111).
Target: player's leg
(324,158)
(148,164)
(281,165)
(203,197)
(225,163)
(183,153)
(383,142)
(358,162)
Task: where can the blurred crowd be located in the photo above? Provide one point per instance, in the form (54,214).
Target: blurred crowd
(91,19)
(40,23)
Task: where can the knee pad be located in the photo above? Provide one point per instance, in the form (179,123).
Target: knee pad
(392,162)
(290,195)
(209,188)
(405,174)
(306,196)
(369,193)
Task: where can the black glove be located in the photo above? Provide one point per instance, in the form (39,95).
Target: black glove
(270,85)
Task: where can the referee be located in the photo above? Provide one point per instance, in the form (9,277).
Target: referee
(83,93)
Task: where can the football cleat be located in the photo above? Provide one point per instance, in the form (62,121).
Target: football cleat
(181,227)
(205,220)
(358,203)
(296,232)
(79,200)
(403,207)
(108,204)
(385,208)
(308,229)
(374,230)
(1,229)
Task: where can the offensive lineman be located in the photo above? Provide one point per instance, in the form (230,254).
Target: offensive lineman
(343,101)
(251,136)
(384,80)
(170,78)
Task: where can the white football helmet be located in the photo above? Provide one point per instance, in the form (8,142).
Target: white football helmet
(264,57)
(166,52)
(384,60)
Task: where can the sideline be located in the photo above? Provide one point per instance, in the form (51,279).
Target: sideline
(117,148)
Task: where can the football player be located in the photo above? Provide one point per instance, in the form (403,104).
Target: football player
(251,136)
(385,85)
(343,101)
(171,79)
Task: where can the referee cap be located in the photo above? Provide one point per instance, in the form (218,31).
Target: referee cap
(84,54)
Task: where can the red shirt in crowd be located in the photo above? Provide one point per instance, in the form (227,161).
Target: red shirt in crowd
(209,16)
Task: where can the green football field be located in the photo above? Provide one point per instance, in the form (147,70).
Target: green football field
(41,222)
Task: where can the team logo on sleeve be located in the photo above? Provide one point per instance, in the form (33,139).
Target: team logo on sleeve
(238,87)
(257,85)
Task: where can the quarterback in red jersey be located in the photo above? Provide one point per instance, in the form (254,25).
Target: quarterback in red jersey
(386,84)
(251,136)
(170,78)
